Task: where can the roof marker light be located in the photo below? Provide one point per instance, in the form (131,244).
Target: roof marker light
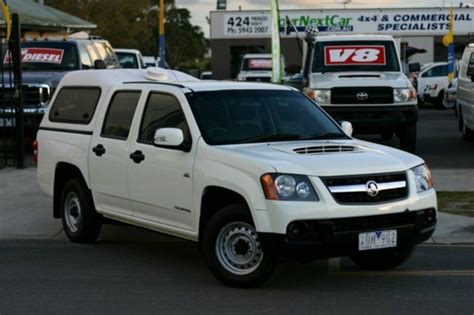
(156,74)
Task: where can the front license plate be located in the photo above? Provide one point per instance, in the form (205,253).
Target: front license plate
(7,122)
(377,240)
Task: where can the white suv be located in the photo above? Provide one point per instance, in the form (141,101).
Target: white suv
(253,172)
(465,95)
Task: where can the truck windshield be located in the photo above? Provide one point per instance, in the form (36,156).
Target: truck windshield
(42,56)
(251,116)
(339,56)
(257,64)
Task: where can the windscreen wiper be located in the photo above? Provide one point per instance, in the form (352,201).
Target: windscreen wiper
(272,137)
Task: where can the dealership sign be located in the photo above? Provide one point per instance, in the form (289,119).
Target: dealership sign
(381,21)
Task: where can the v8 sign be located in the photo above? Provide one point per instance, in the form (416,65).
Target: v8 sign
(354,55)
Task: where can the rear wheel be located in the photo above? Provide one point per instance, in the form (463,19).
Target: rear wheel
(81,222)
(383,259)
(407,136)
(232,249)
(444,102)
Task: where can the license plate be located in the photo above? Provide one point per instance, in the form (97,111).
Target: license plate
(377,240)
(7,122)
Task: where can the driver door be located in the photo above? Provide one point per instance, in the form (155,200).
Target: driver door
(160,178)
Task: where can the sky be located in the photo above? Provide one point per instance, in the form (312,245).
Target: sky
(200,8)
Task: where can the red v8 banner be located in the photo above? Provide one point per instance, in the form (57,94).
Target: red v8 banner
(354,55)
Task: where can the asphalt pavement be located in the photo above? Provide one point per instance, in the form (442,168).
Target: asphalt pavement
(169,277)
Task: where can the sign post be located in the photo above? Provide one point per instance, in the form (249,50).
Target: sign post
(448,41)
(161,29)
(276,47)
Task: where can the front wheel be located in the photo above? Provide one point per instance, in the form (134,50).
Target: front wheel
(445,103)
(407,136)
(383,259)
(81,222)
(232,249)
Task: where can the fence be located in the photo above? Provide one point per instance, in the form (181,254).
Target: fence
(12,140)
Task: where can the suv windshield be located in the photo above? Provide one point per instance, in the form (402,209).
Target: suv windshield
(339,56)
(251,116)
(41,56)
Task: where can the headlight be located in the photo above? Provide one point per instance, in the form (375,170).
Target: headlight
(423,178)
(322,97)
(288,187)
(404,95)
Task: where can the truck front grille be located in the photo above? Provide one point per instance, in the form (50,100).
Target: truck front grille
(33,95)
(355,189)
(362,95)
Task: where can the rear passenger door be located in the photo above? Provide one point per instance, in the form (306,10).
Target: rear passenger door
(160,184)
(110,153)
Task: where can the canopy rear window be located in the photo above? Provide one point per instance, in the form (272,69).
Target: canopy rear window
(75,105)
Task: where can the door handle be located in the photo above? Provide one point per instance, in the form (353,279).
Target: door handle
(99,150)
(137,156)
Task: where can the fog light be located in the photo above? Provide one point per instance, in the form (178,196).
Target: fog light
(297,230)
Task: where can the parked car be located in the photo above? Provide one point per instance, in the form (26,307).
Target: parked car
(130,58)
(257,68)
(206,75)
(465,97)
(432,83)
(150,61)
(359,78)
(44,63)
(253,172)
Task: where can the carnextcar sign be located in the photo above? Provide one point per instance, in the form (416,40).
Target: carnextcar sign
(413,21)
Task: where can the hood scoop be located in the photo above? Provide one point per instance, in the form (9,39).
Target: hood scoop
(324,149)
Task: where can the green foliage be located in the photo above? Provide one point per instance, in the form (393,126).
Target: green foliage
(134,24)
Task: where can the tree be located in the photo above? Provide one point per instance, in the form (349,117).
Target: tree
(133,24)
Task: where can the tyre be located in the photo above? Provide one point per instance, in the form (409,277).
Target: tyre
(407,136)
(444,103)
(232,249)
(386,136)
(383,259)
(80,220)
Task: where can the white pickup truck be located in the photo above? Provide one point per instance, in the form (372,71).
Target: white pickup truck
(253,172)
(359,78)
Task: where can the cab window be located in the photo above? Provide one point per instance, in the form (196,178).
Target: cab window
(85,58)
(162,111)
(120,115)
(75,105)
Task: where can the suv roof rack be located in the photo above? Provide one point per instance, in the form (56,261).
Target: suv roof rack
(156,82)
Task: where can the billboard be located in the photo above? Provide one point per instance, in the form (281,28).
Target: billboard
(410,21)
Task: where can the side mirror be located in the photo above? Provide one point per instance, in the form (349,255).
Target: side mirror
(168,137)
(470,71)
(414,67)
(99,64)
(347,128)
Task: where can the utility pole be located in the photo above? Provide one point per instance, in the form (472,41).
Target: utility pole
(161,31)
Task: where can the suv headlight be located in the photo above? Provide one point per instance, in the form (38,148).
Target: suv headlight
(322,97)
(288,187)
(423,178)
(404,95)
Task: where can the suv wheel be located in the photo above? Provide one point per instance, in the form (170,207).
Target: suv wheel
(407,137)
(232,249)
(383,259)
(445,104)
(80,220)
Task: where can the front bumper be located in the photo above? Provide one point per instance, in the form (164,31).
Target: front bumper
(324,238)
(374,118)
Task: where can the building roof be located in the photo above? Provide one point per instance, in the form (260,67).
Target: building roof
(39,17)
